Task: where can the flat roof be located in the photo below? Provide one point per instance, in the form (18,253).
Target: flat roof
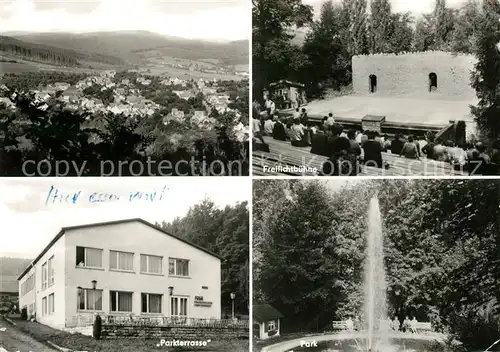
(68,228)
(395,109)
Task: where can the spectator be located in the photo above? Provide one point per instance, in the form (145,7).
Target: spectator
(483,159)
(257,133)
(318,143)
(406,324)
(349,324)
(413,325)
(324,124)
(297,134)
(396,324)
(373,151)
(279,131)
(495,155)
(397,144)
(296,114)
(355,147)
(330,120)
(428,149)
(410,150)
(440,151)
(268,126)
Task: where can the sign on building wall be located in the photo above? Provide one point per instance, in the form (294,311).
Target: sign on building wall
(199,302)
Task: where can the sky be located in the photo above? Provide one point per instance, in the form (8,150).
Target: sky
(30,222)
(217,20)
(416,7)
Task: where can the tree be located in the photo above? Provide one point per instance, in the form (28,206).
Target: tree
(485,79)
(444,21)
(465,24)
(271,21)
(424,37)
(380,26)
(226,233)
(402,32)
(358,44)
(329,63)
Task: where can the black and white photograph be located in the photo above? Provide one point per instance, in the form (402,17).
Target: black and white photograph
(407,87)
(124,88)
(376,265)
(124,264)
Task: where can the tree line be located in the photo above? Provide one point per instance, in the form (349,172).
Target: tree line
(52,55)
(224,231)
(441,245)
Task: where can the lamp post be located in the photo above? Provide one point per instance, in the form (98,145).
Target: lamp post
(94,285)
(233,296)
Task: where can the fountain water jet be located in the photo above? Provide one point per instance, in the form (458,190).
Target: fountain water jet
(375,304)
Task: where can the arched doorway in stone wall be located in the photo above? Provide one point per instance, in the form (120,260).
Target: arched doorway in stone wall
(433,81)
(372,81)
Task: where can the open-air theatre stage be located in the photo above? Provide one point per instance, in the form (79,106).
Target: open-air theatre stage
(398,110)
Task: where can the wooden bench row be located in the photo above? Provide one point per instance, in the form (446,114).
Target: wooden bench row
(419,326)
(284,154)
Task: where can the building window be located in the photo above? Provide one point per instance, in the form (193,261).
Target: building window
(373,83)
(28,285)
(178,267)
(151,264)
(44,276)
(44,306)
(51,303)
(433,82)
(121,301)
(121,261)
(89,257)
(150,303)
(271,325)
(178,306)
(51,271)
(89,299)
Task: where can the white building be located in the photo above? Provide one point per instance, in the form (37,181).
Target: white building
(139,270)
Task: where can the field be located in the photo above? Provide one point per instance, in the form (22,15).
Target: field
(10,67)
(186,74)
(156,69)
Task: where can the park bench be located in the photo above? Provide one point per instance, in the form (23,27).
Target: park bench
(283,153)
(422,326)
(339,325)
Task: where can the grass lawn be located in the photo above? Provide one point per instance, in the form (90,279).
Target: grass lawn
(79,342)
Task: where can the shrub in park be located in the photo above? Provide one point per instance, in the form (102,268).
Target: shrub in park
(97,327)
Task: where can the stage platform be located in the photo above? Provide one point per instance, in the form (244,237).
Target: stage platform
(402,110)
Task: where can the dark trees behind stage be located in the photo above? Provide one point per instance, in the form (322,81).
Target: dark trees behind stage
(225,232)
(442,249)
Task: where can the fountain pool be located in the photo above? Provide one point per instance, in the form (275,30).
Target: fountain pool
(404,344)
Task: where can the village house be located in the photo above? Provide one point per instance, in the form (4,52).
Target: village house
(128,267)
(266,320)
(184,94)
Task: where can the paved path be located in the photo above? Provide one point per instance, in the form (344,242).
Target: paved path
(14,340)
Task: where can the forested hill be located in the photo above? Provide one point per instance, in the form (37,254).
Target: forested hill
(51,54)
(128,45)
